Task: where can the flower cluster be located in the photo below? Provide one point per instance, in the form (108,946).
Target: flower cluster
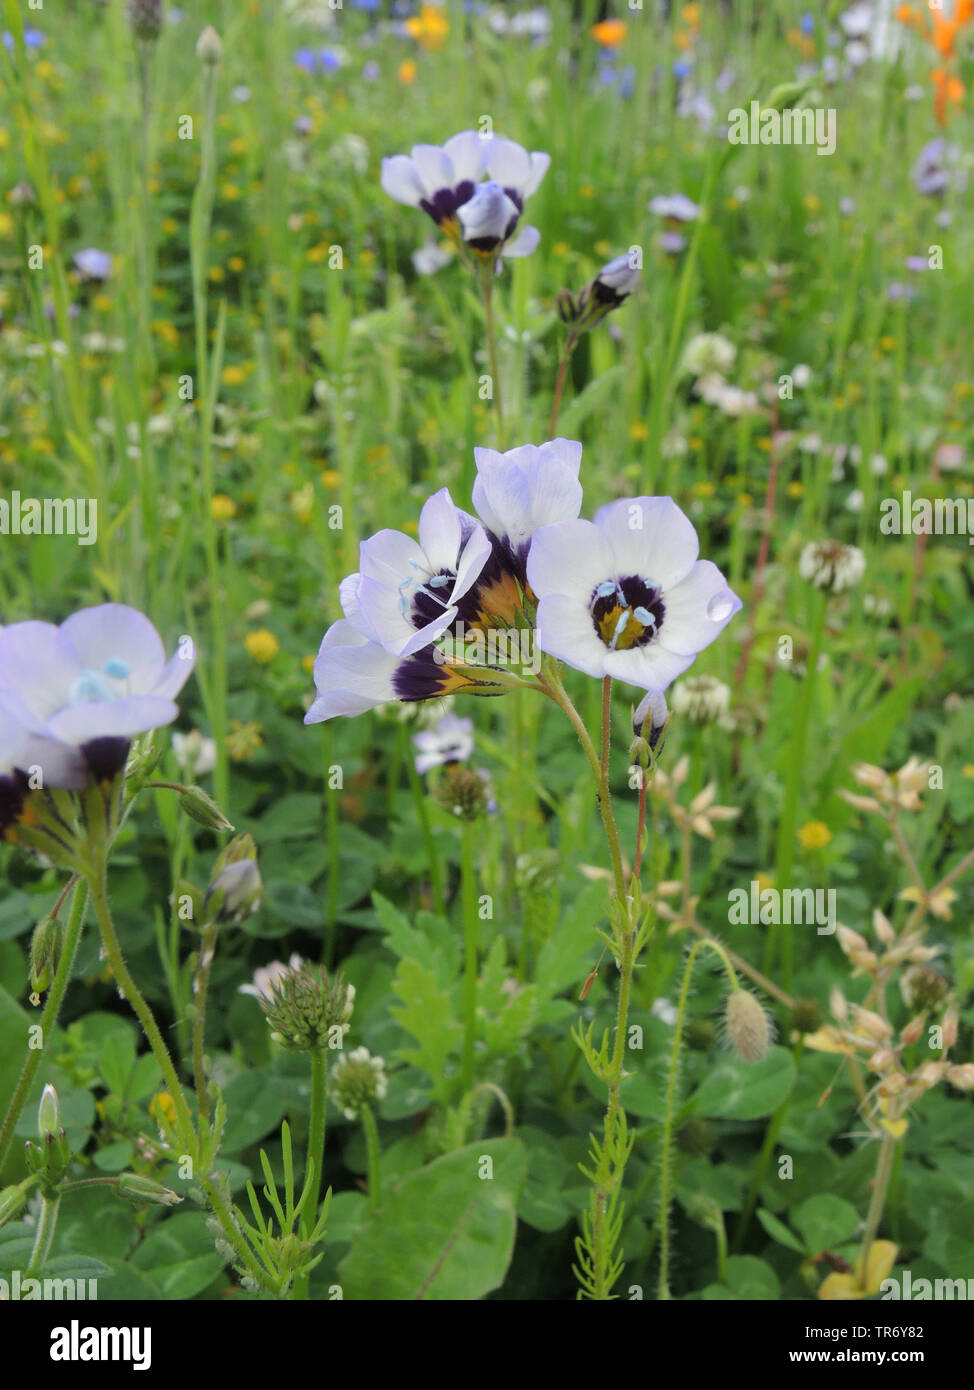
(358,1080)
(624,595)
(474,187)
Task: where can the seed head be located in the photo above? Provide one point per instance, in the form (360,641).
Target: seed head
(747,1027)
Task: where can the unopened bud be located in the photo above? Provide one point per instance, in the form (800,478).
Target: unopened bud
(145,19)
(883,928)
(747,1026)
(949,1026)
(45,953)
(913,1031)
(140,1190)
(48,1113)
(209,47)
(234,893)
(203,809)
(962,1076)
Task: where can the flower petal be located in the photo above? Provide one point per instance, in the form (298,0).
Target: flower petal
(132,714)
(115,631)
(439,531)
(400,180)
(697,610)
(651,537)
(467,152)
(523,244)
(569,557)
(565,630)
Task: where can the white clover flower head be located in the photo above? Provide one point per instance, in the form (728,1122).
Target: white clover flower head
(626,595)
(267,976)
(358,1080)
(195,754)
(832,565)
(700,699)
(709,354)
(801,375)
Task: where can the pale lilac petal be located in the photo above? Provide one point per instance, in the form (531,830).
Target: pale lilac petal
(387,613)
(539,167)
(439,531)
(348,596)
(115,631)
(697,610)
(523,244)
(176,671)
(400,180)
(652,665)
(566,630)
(433,168)
(650,537)
(508,164)
(351,675)
(474,556)
(132,714)
(389,556)
(467,152)
(566,451)
(571,558)
(36,666)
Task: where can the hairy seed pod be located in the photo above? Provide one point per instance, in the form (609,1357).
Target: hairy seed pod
(747,1026)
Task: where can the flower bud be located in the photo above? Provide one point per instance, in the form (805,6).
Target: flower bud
(949,1026)
(209,47)
(48,1113)
(913,1031)
(45,953)
(305,1009)
(747,1026)
(234,893)
(145,19)
(461,791)
(140,1190)
(806,1015)
(923,987)
(962,1076)
(203,809)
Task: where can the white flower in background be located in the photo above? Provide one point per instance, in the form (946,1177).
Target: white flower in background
(358,1080)
(700,699)
(350,151)
(266,976)
(677,207)
(732,400)
(430,257)
(195,754)
(665,1010)
(708,353)
(451,741)
(626,595)
(801,375)
(832,565)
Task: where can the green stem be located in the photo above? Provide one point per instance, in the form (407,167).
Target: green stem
(423,816)
(48,1022)
(666,1150)
(207,951)
(316,1154)
(487,289)
(563,361)
(46,1226)
(471,934)
(788,824)
(98,887)
(372,1150)
(884,1168)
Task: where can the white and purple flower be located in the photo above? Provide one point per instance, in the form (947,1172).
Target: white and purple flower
(626,595)
(93,683)
(437,179)
(516,493)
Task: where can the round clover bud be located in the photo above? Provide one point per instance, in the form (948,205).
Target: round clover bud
(48,1113)
(145,19)
(747,1026)
(45,953)
(806,1015)
(140,1191)
(922,987)
(358,1080)
(209,47)
(695,1138)
(699,1034)
(306,1010)
(461,791)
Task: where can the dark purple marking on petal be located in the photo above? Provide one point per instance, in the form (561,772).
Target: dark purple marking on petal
(105,756)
